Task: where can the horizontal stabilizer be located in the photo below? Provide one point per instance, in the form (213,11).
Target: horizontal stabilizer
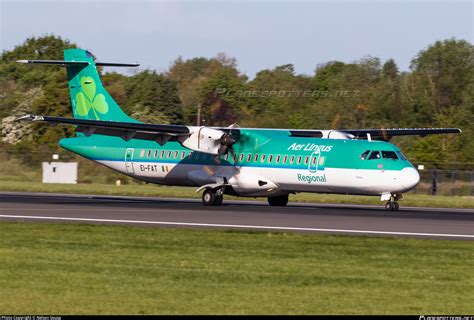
(78,63)
(56,62)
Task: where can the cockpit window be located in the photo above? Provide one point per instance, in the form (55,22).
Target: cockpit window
(364,155)
(374,155)
(389,155)
(401,155)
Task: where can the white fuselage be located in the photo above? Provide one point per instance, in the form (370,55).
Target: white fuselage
(258,181)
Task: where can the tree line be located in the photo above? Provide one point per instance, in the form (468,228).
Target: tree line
(437,91)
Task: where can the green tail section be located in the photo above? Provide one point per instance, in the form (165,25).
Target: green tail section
(89,98)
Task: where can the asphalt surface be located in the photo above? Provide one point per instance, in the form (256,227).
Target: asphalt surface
(250,215)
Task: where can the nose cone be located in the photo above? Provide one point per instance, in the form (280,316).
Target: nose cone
(409,178)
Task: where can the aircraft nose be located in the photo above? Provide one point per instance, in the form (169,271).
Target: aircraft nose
(409,178)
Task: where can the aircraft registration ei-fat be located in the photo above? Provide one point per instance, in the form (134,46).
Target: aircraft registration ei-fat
(247,162)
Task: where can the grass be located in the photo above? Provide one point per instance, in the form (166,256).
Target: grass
(184,192)
(98,269)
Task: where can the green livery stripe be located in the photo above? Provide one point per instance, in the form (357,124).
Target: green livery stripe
(335,153)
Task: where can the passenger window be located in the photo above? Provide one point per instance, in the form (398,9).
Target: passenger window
(162,153)
(255,158)
(183,154)
(241,157)
(148,153)
(156,153)
(364,155)
(226,156)
(270,157)
(175,154)
(249,156)
(142,152)
(284,159)
(306,160)
(262,159)
(299,159)
(374,155)
(169,154)
(313,160)
(277,160)
(292,159)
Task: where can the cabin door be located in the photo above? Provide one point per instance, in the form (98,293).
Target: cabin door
(129,160)
(314,161)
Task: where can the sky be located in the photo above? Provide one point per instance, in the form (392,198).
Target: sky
(259,34)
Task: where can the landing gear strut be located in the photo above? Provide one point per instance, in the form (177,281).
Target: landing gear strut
(392,204)
(212,197)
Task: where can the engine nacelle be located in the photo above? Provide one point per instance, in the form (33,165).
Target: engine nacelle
(203,139)
(334,134)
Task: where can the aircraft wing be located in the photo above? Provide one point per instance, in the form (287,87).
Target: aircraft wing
(216,140)
(202,139)
(387,134)
(125,130)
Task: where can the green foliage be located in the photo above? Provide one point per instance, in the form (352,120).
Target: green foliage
(42,48)
(437,92)
(197,80)
(156,95)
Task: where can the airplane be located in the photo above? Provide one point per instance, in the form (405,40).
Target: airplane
(246,162)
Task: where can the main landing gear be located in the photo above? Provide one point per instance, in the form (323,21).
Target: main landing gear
(392,204)
(279,201)
(213,197)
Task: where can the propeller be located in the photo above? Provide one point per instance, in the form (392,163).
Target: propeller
(226,142)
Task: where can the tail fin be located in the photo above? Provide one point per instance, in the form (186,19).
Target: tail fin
(89,98)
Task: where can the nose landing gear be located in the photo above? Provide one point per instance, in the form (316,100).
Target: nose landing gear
(392,204)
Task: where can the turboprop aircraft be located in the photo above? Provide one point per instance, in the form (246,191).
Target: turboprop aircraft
(247,162)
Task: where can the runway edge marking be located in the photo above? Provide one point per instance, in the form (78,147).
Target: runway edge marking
(192,224)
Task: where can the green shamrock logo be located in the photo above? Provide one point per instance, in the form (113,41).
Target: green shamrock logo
(87,99)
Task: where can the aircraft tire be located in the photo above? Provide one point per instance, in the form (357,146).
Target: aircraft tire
(392,206)
(280,201)
(397,206)
(219,200)
(209,198)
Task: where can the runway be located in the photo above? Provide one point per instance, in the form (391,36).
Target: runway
(243,215)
